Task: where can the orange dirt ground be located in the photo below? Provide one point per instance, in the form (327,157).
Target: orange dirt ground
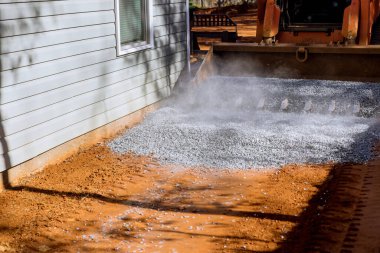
(97,201)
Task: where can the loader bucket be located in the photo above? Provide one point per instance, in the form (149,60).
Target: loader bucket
(291,61)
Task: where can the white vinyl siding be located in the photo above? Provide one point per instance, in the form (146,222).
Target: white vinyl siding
(134,25)
(61,77)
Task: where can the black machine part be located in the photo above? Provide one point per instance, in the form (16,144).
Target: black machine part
(312,15)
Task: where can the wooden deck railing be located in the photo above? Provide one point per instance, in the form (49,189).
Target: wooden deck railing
(210,20)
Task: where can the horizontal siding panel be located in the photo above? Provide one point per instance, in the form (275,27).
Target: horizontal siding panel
(163,30)
(162,41)
(62,78)
(45,99)
(24,74)
(169,19)
(160,31)
(177,27)
(136,88)
(179,36)
(168,29)
(170,39)
(161,20)
(36,40)
(30,88)
(36,117)
(34,56)
(42,24)
(42,145)
(119,112)
(49,8)
(169,9)
(157,2)
(33,133)
(176,18)
(160,2)
(22,1)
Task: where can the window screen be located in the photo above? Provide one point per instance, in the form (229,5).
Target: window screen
(132,21)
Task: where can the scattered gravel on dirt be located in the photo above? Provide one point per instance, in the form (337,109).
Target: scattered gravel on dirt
(260,123)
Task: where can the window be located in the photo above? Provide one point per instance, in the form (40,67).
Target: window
(134,25)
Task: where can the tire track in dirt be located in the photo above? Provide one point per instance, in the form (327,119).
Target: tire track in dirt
(363,235)
(350,220)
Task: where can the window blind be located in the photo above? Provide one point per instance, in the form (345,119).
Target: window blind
(132,21)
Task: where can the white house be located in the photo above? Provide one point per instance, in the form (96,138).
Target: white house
(75,71)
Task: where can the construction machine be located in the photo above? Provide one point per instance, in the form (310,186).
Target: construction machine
(307,39)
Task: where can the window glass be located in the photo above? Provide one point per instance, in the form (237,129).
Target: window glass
(132,25)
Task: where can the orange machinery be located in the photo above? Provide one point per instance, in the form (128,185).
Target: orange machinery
(313,22)
(324,39)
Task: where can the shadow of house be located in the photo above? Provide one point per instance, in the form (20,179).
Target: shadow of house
(109,71)
(324,223)
(306,235)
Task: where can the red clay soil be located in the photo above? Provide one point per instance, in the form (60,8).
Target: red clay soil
(97,201)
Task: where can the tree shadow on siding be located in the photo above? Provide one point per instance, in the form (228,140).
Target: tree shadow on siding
(177,77)
(28,57)
(157,71)
(12,65)
(4,144)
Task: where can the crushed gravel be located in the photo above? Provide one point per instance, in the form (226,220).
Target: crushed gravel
(259,123)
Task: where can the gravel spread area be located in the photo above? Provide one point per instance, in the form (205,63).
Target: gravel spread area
(259,123)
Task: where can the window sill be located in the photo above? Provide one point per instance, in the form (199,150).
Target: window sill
(129,49)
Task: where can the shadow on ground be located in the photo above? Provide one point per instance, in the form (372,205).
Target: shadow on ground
(321,225)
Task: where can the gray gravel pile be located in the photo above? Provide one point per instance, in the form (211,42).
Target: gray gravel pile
(260,123)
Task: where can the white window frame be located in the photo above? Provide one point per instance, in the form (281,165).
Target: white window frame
(137,46)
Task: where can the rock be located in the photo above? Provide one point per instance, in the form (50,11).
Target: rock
(44,248)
